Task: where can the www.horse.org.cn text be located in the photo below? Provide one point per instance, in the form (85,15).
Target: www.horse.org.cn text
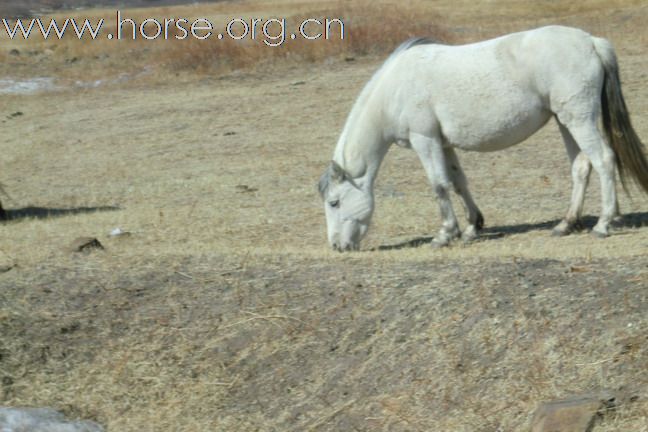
(272,31)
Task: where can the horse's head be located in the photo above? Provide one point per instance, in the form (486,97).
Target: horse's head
(348,204)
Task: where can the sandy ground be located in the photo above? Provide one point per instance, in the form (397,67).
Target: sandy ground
(224,310)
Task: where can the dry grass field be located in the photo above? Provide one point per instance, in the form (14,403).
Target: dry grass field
(224,309)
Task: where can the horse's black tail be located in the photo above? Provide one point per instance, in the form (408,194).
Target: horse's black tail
(628,149)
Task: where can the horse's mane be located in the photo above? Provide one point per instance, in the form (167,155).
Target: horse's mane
(366,91)
(401,48)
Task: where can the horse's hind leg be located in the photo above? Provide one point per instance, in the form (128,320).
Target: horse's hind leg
(473,215)
(590,141)
(580,171)
(430,151)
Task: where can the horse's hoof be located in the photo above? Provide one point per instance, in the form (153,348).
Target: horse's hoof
(562,229)
(556,232)
(439,244)
(565,228)
(479,223)
(599,234)
(469,241)
(469,235)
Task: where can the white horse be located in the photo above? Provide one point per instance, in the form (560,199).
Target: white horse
(484,96)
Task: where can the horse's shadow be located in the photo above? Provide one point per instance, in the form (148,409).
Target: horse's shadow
(629,220)
(44,212)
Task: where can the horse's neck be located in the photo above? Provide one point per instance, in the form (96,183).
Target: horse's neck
(362,147)
(363,143)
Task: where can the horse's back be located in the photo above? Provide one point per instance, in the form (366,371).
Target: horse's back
(536,58)
(493,94)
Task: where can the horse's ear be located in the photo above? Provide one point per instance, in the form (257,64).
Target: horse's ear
(337,172)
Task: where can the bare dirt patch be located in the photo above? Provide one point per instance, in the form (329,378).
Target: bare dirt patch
(351,345)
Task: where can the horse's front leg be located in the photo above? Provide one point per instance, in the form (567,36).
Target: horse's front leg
(474,216)
(430,151)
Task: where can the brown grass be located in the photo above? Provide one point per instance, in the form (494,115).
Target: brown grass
(372,28)
(369,29)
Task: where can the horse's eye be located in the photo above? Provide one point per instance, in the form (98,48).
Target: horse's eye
(335,203)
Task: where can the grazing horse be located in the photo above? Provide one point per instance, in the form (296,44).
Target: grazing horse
(484,96)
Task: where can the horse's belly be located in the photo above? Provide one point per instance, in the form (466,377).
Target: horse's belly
(493,127)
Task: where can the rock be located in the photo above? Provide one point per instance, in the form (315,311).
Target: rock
(6,268)
(118,232)
(42,420)
(243,188)
(85,244)
(574,414)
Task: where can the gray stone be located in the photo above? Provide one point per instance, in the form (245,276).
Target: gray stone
(85,244)
(574,414)
(42,420)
